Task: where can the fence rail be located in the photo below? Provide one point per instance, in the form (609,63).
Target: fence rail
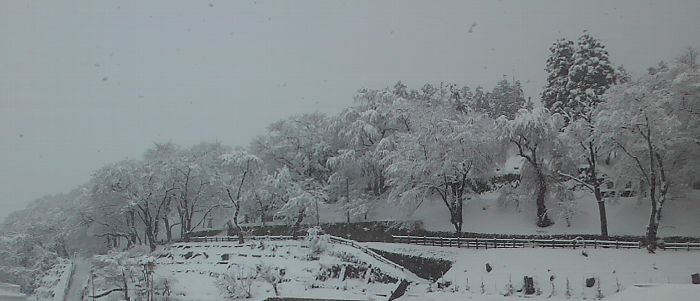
(365,250)
(235,238)
(479,243)
(491,243)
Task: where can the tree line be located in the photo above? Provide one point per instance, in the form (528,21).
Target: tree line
(404,146)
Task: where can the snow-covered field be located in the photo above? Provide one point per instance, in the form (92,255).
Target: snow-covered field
(194,269)
(613,270)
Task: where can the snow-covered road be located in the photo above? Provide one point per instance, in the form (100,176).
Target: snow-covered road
(78,281)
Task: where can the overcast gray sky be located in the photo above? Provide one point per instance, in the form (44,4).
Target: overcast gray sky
(84,83)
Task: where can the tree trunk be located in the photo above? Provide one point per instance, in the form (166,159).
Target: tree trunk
(601,210)
(347,198)
(168,230)
(595,182)
(297,223)
(542,216)
(241,240)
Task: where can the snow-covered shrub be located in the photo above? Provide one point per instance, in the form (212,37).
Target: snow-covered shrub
(272,275)
(24,260)
(237,284)
(317,240)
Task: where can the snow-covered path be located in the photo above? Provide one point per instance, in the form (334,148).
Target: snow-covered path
(77,283)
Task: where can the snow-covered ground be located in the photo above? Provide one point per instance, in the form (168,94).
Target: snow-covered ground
(54,283)
(193,270)
(611,268)
(79,279)
(484,214)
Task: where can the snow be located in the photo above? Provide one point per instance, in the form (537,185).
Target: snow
(608,266)
(54,283)
(78,280)
(678,292)
(10,292)
(626,216)
(194,267)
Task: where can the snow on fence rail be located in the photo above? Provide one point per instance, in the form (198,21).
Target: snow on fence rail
(486,243)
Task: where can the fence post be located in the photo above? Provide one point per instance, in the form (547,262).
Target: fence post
(458,243)
(513,243)
(553,247)
(477,243)
(617,244)
(425,241)
(495,243)
(595,243)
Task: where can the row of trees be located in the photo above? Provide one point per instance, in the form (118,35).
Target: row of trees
(407,146)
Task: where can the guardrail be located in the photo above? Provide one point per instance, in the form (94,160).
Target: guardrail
(486,243)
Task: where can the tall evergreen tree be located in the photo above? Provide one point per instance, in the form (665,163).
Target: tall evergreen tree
(589,77)
(561,58)
(506,99)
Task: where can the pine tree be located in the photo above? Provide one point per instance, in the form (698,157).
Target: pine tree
(506,99)
(480,101)
(589,77)
(560,60)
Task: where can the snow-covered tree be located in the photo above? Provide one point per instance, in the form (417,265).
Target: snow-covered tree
(506,99)
(240,171)
(534,135)
(590,75)
(586,150)
(445,155)
(638,120)
(300,143)
(198,193)
(560,60)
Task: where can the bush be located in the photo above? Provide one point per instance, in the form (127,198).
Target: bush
(236,285)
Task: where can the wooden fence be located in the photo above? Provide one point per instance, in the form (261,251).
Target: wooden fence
(478,243)
(491,243)
(235,238)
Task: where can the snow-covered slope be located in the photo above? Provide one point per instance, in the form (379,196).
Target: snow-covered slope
(609,267)
(626,216)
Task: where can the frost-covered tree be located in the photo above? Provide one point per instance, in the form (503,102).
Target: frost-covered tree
(638,121)
(587,151)
(124,195)
(534,135)
(239,172)
(197,193)
(444,155)
(299,143)
(365,135)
